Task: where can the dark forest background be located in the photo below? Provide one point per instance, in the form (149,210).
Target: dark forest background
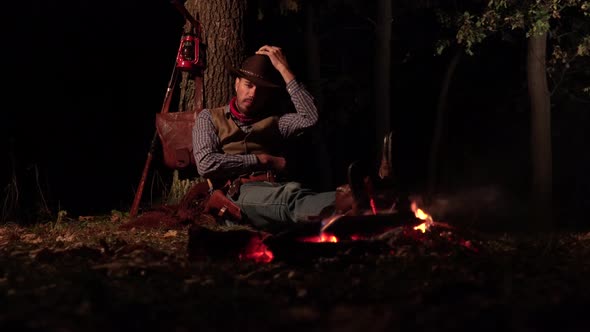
(85,81)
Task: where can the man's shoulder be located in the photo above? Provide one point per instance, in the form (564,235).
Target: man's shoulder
(220,109)
(208,112)
(216,110)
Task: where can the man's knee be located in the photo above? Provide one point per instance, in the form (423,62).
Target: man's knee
(291,188)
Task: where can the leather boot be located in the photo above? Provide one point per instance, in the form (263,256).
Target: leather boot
(360,186)
(220,206)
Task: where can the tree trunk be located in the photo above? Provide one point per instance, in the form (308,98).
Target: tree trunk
(440,124)
(312,46)
(383,69)
(223,34)
(222,22)
(541,155)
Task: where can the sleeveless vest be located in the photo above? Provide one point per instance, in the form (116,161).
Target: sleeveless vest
(263,138)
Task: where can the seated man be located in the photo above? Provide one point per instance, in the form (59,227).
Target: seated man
(247,137)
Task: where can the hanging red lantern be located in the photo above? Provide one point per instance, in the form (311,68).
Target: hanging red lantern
(189,57)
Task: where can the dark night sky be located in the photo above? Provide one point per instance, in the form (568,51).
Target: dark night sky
(87,78)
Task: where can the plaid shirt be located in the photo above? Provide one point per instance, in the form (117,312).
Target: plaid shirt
(210,159)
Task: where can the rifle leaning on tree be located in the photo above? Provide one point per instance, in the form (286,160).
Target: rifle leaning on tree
(190,59)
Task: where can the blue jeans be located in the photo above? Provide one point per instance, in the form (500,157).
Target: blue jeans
(266,204)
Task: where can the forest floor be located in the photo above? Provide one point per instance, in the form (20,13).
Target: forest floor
(89,275)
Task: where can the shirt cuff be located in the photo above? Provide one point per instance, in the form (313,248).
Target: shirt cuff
(250,160)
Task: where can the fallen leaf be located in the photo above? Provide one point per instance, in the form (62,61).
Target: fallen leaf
(583,237)
(170,233)
(31,238)
(65,238)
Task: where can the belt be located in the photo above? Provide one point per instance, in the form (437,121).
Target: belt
(233,186)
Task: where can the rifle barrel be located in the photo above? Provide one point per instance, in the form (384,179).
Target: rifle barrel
(187,16)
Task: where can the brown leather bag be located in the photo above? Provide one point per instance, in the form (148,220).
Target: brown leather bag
(175,132)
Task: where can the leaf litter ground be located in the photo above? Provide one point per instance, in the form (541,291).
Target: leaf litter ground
(89,275)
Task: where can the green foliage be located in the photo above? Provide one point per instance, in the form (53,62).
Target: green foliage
(444,19)
(471,31)
(119,214)
(564,21)
(584,47)
(62,216)
(270,7)
(515,21)
(441,45)
(535,17)
(538,18)
(289,6)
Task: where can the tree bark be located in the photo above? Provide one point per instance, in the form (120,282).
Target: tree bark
(312,48)
(440,124)
(222,23)
(383,69)
(541,154)
(312,44)
(223,34)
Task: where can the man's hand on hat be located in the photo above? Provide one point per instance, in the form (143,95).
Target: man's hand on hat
(278,60)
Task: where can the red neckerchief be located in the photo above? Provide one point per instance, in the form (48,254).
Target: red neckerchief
(240,116)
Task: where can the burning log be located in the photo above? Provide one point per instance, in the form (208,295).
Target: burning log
(367,226)
(337,235)
(236,242)
(303,248)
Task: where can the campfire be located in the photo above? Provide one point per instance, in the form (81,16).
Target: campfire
(329,237)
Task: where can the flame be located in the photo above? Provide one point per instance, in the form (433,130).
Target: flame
(422,216)
(422,227)
(323,237)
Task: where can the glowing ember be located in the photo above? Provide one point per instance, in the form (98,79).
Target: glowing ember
(373,206)
(323,237)
(260,256)
(356,237)
(257,251)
